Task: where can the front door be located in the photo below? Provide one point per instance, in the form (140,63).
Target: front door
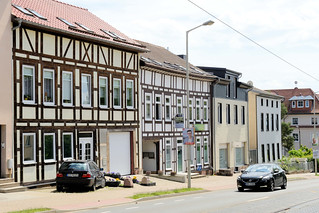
(180,158)
(86,149)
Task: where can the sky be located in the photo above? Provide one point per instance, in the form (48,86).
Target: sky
(287,28)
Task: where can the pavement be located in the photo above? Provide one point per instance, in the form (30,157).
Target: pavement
(48,197)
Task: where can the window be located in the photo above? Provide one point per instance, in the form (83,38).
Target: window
(294,121)
(228,87)
(307,103)
(28,148)
(267,122)
(276,104)
(198,151)
(158,107)
(168,154)
(205,111)
(37,14)
(28,85)
(262,102)
(67,88)
(243,115)
(148,107)
(268,152)
(272,103)
(103,95)
(67,23)
(129,94)
(22,10)
(277,122)
(236,114)
(228,113)
(239,156)
(278,151)
(263,153)
(296,137)
(179,105)
(300,104)
(67,146)
(314,121)
(267,102)
(190,109)
(198,110)
(205,150)
(293,104)
(84,27)
(273,152)
(220,113)
(49,147)
(167,108)
(117,93)
(48,86)
(272,122)
(262,122)
(86,90)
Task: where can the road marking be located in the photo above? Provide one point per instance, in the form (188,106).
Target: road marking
(136,207)
(155,204)
(179,200)
(106,212)
(262,198)
(197,197)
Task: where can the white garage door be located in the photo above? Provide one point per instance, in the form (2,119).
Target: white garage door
(120,153)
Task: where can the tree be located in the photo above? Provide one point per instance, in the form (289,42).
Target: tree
(286,139)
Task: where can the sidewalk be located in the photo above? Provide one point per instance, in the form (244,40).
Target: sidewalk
(68,201)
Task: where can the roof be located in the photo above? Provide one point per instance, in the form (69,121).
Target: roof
(49,14)
(220,71)
(297,98)
(266,93)
(161,58)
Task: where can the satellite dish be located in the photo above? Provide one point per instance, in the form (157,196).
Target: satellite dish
(250,83)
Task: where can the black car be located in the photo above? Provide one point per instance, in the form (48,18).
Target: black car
(262,175)
(79,173)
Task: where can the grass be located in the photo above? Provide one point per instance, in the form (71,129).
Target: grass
(32,210)
(142,195)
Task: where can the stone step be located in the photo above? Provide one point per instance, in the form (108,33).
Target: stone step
(9,185)
(13,189)
(197,176)
(6,180)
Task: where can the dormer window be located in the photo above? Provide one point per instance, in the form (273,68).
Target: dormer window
(66,22)
(293,104)
(300,104)
(307,103)
(22,10)
(84,27)
(36,14)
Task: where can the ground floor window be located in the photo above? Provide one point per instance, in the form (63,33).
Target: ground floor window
(29,148)
(205,150)
(168,154)
(263,153)
(223,158)
(198,151)
(67,145)
(49,147)
(239,156)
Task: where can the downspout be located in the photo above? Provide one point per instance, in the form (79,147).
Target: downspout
(18,26)
(248,127)
(213,126)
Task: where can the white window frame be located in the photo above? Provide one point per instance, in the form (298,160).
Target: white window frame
(120,92)
(206,152)
(106,92)
(179,105)
(54,151)
(198,144)
(71,88)
(292,121)
(301,105)
(198,110)
(34,148)
(89,92)
(168,106)
(293,104)
(190,110)
(72,144)
(148,102)
(307,103)
(132,93)
(33,85)
(158,103)
(168,144)
(53,87)
(205,110)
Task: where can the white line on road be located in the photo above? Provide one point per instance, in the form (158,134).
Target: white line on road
(197,197)
(179,200)
(106,212)
(262,198)
(155,204)
(136,207)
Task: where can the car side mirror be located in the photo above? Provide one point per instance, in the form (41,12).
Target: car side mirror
(242,171)
(101,169)
(276,170)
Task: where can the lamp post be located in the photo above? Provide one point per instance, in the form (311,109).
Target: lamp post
(314,127)
(187,102)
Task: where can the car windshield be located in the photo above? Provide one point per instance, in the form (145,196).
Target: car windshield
(74,166)
(259,168)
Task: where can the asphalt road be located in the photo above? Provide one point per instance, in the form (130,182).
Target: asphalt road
(300,196)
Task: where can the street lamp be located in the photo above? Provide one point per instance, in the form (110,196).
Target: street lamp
(187,102)
(314,127)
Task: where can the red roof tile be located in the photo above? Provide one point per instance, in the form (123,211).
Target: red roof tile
(51,9)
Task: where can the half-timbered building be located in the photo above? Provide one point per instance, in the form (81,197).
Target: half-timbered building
(75,91)
(163,108)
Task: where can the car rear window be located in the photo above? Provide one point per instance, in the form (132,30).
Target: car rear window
(74,166)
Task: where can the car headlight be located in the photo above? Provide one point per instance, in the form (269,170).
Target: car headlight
(266,177)
(239,178)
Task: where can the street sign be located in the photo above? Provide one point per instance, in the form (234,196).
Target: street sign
(315,154)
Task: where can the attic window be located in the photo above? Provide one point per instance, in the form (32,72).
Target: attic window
(84,27)
(36,14)
(113,35)
(66,22)
(22,10)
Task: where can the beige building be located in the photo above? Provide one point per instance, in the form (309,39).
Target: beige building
(6,106)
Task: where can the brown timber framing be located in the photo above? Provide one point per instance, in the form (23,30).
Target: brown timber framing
(87,56)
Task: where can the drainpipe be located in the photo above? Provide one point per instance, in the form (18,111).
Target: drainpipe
(18,26)
(213,126)
(248,90)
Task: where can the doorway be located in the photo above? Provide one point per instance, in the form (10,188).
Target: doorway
(180,156)
(86,148)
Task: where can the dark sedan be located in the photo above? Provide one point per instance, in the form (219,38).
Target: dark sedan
(79,173)
(262,175)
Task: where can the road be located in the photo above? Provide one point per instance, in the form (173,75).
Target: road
(300,196)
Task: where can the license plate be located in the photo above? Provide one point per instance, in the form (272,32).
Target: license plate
(250,184)
(72,175)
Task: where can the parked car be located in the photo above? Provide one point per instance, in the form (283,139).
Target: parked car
(262,175)
(79,173)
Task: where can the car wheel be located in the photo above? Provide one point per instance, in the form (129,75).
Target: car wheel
(271,185)
(284,184)
(241,189)
(103,183)
(93,187)
(59,188)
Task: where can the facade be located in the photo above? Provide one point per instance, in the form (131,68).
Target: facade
(75,91)
(230,120)
(6,106)
(303,109)
(264,126)
(164,104)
